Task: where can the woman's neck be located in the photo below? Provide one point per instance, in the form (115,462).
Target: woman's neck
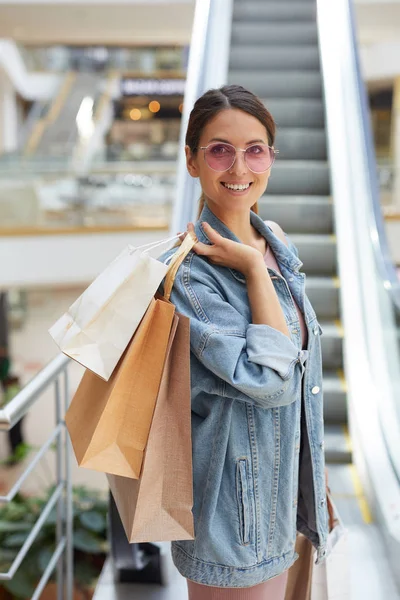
(238,222)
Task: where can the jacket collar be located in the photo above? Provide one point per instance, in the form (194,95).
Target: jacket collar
(282,253)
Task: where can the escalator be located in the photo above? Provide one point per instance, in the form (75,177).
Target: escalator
(58,133)
(283,52)
(274,53)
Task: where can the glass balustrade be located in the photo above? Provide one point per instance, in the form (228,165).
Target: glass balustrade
(148,60)
(42,196)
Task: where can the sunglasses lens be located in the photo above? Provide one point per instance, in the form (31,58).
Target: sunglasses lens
(259,157)
(220,157)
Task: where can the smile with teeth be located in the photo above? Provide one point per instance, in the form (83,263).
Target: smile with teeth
(236,186)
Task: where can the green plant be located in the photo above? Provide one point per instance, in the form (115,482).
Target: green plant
(20,453)
(90,539)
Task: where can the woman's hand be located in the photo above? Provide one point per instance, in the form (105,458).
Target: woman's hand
(227,253)
(264,303)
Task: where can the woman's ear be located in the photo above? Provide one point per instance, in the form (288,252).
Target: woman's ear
(191,162)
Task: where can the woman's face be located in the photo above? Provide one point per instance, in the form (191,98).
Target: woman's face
(241,130)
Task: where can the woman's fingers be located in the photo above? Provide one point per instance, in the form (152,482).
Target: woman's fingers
(211,233)
(213,236)
(190,229)
(199,247)
(202,249)
(182,235)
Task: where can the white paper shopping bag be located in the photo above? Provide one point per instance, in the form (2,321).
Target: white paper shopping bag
(98,326)
(331,578)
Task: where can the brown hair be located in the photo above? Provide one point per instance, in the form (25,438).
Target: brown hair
(214,101)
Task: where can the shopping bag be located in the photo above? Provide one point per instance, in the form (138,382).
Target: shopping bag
(97,327)
(158,506)
(331,579)
(109,421)
(300,573)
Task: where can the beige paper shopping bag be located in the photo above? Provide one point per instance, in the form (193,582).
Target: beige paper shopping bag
(109,421)
(329,579)
(158,506)
(300,573)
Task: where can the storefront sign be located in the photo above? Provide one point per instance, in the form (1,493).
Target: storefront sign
(156,87)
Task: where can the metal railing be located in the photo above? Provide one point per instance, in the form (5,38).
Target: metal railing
(55,373)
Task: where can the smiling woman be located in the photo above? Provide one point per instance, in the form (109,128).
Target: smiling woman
(237,147)
(258,460)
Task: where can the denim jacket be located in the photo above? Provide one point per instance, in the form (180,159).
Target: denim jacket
(257,421)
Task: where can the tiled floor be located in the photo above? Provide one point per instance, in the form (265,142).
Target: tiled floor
(369,575)
(357,570)
(175,590)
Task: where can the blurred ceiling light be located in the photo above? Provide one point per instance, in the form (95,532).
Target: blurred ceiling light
(135,114)
(84,118)
(154,106)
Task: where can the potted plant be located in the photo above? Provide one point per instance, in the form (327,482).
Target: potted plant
(89,540)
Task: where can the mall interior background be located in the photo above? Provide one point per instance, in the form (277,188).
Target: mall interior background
(91,98)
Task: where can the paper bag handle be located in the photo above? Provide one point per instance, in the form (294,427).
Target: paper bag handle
(176,261)
(151,245)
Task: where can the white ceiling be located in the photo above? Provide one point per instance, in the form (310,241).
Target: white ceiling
(131,22)
(120,23)
(378,22)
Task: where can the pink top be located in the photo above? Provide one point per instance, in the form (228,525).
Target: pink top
(270,261)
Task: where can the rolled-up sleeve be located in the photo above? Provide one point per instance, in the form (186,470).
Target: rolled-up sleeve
(255,361)
(279,353)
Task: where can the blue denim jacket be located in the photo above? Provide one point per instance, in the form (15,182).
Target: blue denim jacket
(257,421)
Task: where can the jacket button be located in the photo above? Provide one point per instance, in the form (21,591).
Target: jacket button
(316,330)
(315,390)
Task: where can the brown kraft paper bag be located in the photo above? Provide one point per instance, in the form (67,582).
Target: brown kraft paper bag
(109,421)
(300,573)
(158,506)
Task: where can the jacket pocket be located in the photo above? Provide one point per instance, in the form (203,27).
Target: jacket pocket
(243,498)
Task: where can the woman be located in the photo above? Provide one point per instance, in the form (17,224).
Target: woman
(257,418)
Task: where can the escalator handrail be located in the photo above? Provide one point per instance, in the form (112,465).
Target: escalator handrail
(184,187)
(370,389)
(386,268)
(387,276)
(211,34)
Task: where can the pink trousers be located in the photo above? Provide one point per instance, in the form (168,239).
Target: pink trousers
(273,589)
